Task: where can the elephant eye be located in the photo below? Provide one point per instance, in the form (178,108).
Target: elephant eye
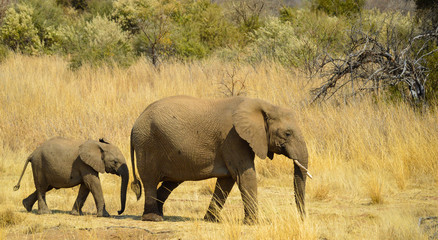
(288,133)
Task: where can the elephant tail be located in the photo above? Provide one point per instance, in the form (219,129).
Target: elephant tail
(135,185)
(16,187)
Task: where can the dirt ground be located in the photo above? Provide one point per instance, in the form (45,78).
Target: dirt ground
(356,216)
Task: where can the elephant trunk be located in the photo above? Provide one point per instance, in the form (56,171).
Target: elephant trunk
(123,172)
(300,157)
(300,186)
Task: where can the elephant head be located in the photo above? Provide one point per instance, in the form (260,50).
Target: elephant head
(271,129)
(105,157)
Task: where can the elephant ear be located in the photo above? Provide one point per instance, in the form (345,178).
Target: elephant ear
(91,154)
(249,121)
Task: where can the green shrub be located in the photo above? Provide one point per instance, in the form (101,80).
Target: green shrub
(326,32)
(338,7)
(126,13)
(278,41)
(76,4)
(3,52)
(47,17)
(201,28)
(432,78)
(387,25)
(183,29)
(100,7)
(97,42)
(18,31)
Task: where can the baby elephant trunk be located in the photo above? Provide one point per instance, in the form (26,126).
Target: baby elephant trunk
(123,172)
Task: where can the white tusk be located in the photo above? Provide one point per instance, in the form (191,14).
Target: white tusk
(305,169)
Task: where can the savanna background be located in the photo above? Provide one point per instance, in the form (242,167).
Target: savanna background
(86,69)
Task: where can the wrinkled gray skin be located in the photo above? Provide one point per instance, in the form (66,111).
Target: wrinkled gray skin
(63,163)
(182,138)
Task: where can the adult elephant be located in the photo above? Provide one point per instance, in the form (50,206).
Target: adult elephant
(65,163)
(183,138)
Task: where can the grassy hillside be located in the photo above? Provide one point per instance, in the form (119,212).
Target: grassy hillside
(374,164)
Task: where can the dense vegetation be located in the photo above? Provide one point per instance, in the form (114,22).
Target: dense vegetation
(300,36)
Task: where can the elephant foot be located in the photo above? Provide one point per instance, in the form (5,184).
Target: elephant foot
(75,212)
(103,214)
(27,205)
(44,211)
(209,217)
(152,217)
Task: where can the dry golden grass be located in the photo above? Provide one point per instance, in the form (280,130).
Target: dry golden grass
(374,164)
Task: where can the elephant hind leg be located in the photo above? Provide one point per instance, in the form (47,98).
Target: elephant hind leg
(221,192)
(30,201)
(163,193)
(151,212)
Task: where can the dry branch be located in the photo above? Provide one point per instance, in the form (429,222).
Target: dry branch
(372,65)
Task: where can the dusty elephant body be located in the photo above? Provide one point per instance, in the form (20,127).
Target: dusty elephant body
(63,163)
(183,138)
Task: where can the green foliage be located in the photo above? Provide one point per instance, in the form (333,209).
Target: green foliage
(126,13)
(432,79)
(388,25)
(184,29)
(247,14)
(100,7)
(326,32)
(278,41)
(427,11)
(76,4)
(150,22)
(18,31)
(97,42)
(47,17)
(201,28)
(338,7)
(3,52)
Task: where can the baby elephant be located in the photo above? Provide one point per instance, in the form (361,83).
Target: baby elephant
(63,163)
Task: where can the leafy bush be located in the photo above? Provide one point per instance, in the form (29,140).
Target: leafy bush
(338,7)
(3,52)
(31,27)
(47,17)
(201,28)
(18,31)
(278,41)
(164,28)
(389,25)
(326,32)
(98,42)
(247,14)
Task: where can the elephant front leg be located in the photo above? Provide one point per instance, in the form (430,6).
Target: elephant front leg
(221,192)
(248,188)
(80,200)
(92,182)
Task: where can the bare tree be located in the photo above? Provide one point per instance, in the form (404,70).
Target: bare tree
(231,85)
(155,31)
(371,64)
